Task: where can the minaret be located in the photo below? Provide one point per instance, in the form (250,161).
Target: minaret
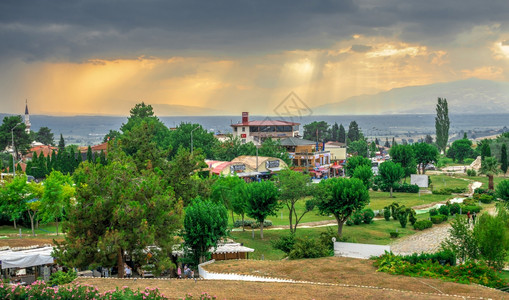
(27,118)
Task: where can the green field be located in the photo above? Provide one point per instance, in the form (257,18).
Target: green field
(44,229)
(374,233)
(444,181)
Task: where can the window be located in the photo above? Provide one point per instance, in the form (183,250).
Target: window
(235,129)
(243,129)
(253,128)
(243,141)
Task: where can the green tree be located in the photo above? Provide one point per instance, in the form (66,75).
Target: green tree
(113,134)
(21,139)
(205,224)
(390,173)
(231,148)
(503,190)
(428,139)
(45,136)
(491,235)
(461,240)
(239,201)
(490,168)
(364,173)
(181,175)
(13,196)
(56,199)
(387,144)
(321,128)
(360,147)
(354,133)
(262,201)
(405,156)
(460,149)
(424,154)
(341,197)
(273,148)
(33,205)
(294,186)
(224,191)
(334,131)
(90,155)
(61,143)
(119,210)
(354,162)
(503,159)
(342,134)
(372,149)
(442,124)
(202,139)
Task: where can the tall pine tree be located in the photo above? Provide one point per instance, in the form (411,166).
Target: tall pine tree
(503,158)
(341,134)
(90,155)
(353,132)
(442,124)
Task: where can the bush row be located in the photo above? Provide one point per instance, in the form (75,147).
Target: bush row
(449,191)
(438,219)
(252,224)
(423,224)
(470,272)
(366,215)
(442,257)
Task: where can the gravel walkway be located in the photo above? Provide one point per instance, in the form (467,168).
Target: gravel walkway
(428,241)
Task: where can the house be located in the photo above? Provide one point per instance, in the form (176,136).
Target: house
(258,131)
(306,153)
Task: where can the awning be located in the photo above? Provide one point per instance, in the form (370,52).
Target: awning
(275,169)
(248,174)
(26,258)
(336,167)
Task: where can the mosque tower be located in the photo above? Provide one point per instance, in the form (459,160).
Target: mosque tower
(27,118)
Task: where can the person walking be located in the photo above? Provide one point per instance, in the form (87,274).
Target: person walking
(474,215)
(179,272)
(468,217)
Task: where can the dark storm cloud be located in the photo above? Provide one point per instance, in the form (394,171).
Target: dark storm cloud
(76,30)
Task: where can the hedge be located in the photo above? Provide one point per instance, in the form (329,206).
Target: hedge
(423,224)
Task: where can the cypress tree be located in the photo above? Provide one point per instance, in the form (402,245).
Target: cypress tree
(442,124)
(353,132)
(503,158)
(387,145)
(102,157)
(341,134)
(72,160)
(90,155)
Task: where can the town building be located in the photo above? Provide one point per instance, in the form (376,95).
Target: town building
(305,153)
(258,131)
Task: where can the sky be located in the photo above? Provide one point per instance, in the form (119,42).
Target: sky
(224,57)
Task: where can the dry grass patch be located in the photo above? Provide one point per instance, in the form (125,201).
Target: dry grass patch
(343,270)
(176,289)
(24,242)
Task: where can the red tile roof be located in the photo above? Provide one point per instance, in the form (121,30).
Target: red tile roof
(46,150)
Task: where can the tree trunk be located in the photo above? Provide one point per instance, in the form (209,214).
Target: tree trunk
(120,263)
(340,227)
(57,225)
(233,219)
(243,229)
(291,208)
(32,221)
(391,192)
(37,224)
(490,182)
(14,223)
(261,229)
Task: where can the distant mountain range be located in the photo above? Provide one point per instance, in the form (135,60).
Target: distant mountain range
(468,96)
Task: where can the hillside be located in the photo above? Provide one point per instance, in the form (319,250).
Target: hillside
(470,96)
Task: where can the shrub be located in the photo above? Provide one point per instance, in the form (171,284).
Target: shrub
(438,219)
(266,223)
(394,234)
(472,272)
(284,243)
(406,188)
(60,277)
(367,215)
(387,214)
(308,248)
(375,188)
(433,212)
(454,209)
(442,257)
(471,172)
(485,191)
(441,192)
(239,223)
(349,222)
(503,189)
(326,239)
(412,218)
(470,208)
(403,217)
(357,218)
(448,191)
(486,199)
(444,210)
(423,224)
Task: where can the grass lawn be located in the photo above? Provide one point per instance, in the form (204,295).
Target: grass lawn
(44,229)
(374,233)
(444,181)
(484,180)
(379,200)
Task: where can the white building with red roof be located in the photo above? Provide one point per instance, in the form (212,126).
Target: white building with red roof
(258,131)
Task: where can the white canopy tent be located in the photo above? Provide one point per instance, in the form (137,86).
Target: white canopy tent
(26,258)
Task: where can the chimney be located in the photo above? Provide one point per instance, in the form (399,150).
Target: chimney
(245,117)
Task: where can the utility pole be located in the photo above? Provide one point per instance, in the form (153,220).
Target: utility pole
(192,138)
(13,151)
